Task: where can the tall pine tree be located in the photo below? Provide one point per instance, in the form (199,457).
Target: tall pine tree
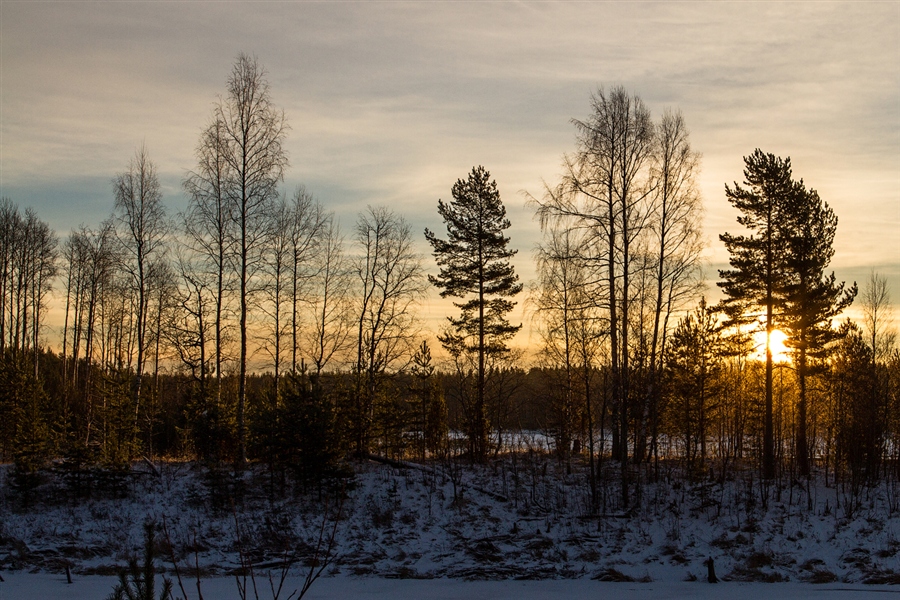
(754,287)
(812,298)
(474,264)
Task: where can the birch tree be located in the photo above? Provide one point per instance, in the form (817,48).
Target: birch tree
(389,282)
(253,132)
(141,228)
(605,188)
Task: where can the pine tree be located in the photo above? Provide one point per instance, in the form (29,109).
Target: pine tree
(474,263)
(430,419)
(812,298)
(756,281)
(139,581)
(858,414)
(695,368)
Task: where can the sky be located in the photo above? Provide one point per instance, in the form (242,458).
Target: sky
(392,102)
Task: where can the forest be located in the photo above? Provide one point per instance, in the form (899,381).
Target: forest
(252,332)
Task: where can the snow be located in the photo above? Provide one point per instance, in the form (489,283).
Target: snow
(49,587)
(512,529)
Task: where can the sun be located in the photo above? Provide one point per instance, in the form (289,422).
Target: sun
(780,352)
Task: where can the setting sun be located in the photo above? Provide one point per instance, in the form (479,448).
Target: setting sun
(780,352)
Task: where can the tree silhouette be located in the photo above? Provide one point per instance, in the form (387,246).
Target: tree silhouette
(253,132)
(609,189)
(812,298)
(142,222)
(474,260)
(757,277)
(695,366)
(390,281)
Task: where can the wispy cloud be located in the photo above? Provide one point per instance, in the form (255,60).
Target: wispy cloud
(390,102)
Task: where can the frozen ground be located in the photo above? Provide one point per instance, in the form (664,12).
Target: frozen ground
(48,587)
(404,533)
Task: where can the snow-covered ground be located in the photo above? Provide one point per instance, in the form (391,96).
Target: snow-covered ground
(515,530)
(49,587)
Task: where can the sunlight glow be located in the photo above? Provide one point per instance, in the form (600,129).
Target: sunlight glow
(780,352)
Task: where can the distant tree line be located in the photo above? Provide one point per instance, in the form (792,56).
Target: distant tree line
(250,327)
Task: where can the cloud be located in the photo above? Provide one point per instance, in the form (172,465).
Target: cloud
(391,102)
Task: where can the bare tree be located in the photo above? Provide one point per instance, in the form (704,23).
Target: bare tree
(142,226)
(28,264)
(559,301)
(572,331)
(188,330)
(675,246)
(76,268)
(877,321)
(253,131)
(9,218)
(275,270)
(308,228)
(73,279)
(329,334)
(208,226)
(288,265)
(606,190)
(390,280)
(94,257)
(161,308)
(878,316)
(42,267)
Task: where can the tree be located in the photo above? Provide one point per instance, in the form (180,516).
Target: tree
(308,431)
(694,379)
(565,312)
(876,307)
(25,420)
(162,308)
(142,221)
(294,237)
(877,325)
(253,132)
(94,257)
(188,331)
(676,243)
(812,299)
(275,271)
(332,322)
(608,189)
(28,265)
(9,220)
(474,260)
(757,278)
(422,370)
(618,139)
(208,226)
(390,279)
(431,412)
(858,412)
(308,236)
(139,581)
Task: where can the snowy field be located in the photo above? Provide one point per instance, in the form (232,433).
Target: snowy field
(511,529)
(49,587)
